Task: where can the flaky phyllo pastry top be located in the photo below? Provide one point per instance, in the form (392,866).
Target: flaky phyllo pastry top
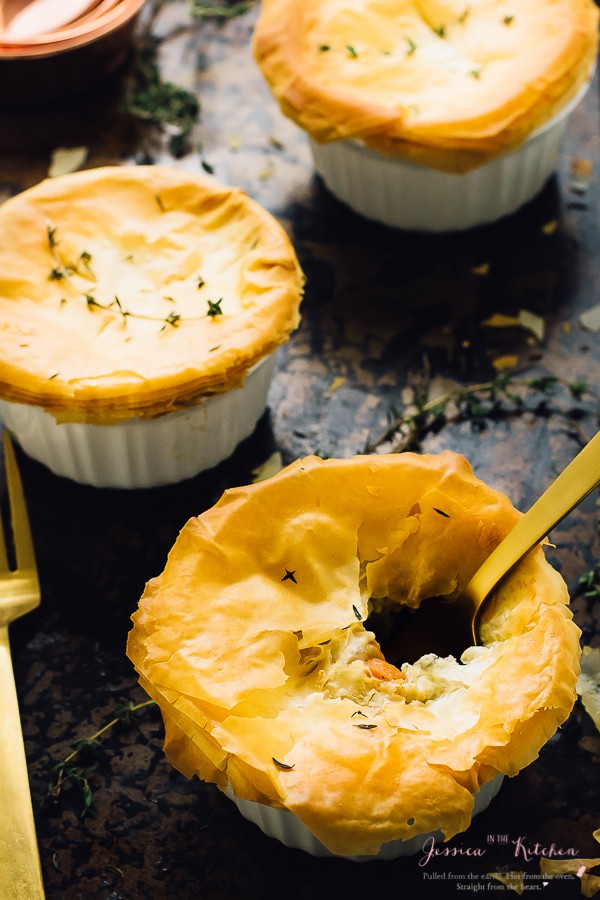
(445,83)
(137,290)
(255,641)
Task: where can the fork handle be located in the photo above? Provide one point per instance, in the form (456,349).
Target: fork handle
(573,485)
(20,870)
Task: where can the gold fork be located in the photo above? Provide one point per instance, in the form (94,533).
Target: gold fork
(20,870)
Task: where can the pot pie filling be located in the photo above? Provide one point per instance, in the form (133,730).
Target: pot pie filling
(256,643)
(445,83)
(137,290)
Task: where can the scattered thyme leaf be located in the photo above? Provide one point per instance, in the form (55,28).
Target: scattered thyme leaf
(356,613)
(51,233)
(324,48)
(351,51)
(359,712)
(214,308)
(115,870)
(507,20)
(441,512)
(68,775)
(364,726)
(56,274)
(411,46)
(290,575)
(441,31)
(281,765)
(201,282)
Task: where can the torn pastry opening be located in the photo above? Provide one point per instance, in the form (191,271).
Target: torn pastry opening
(397,653)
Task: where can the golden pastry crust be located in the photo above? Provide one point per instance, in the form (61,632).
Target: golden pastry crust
(255,643)
(137,290)
(444,83)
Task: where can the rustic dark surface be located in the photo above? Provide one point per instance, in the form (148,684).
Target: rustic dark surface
(381,308)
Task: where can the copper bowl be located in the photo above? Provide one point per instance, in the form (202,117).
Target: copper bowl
(69,62)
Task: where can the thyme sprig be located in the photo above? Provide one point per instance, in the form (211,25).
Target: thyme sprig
(476,402)
(74,772)
(64,271)
(171,108)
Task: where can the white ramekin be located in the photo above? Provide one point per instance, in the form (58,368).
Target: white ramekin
(141,453)
(287,828)
(405,195)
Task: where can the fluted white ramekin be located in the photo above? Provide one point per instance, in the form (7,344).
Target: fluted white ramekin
(405,195)
(144,452)
(287,828)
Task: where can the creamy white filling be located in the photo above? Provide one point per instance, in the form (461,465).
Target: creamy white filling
(343,668)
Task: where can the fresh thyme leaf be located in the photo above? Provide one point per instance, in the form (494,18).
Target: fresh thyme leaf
(290,576)
(159,202)
(441,512)
(590,581)
(365,727)
(201,282)
(411,47)
(281,765)
(578,389)
(116,870)
(475,73)
(214,308)
(545,383)
(351,51)
(441,31)
(359,712)
(356,613)
(507,20)
(220,12)
(173,319)
(51,232)
(324,48)
(85,258)
(56,274)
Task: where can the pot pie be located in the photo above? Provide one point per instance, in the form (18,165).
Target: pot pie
(256,643)
(129,293)
(444,83)
(432,115)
